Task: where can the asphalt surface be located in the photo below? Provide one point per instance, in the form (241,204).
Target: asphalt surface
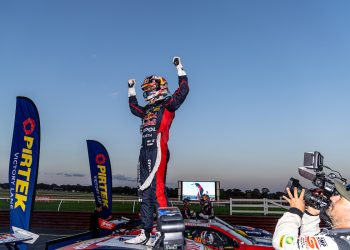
(46,234)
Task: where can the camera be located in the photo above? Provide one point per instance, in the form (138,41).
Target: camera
(171,227)
(314,198)
(312,170)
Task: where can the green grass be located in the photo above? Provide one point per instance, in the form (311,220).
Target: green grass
(88,206)
(120,206)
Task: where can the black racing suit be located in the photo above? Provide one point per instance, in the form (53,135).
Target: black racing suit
(186,212)
(154,153)
(207,210)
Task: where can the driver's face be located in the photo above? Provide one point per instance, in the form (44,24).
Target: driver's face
(339,210)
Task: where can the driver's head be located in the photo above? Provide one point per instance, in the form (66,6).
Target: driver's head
(205,197)
(186,201)
(207,237)
(154,88)
(339,210)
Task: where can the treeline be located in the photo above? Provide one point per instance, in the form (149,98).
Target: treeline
(249,194)
(172,192)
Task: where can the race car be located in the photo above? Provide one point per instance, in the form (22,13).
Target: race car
(217,234)
(123,230)
(199,234)
(261,236)
(198,230)
(118,242)
(18,235)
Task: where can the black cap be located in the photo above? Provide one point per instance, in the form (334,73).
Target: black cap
(342,190)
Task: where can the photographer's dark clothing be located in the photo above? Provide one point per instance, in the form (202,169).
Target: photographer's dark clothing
(288,237)
(94,225)
(341,237)
(186,212)
(154,153)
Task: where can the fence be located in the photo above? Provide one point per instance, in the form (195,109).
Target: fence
(257,206)
(233,206)
(75,204)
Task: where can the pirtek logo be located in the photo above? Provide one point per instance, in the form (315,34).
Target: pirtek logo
(23,177)
(102,178)
(100,159)
(28,126)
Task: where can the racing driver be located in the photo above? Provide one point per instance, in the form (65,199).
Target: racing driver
(156,117)
(286,235)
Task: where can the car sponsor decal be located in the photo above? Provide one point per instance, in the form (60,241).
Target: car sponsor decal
(281,241)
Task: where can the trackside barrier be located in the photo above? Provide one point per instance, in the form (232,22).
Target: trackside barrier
(92,202)
(257,206)
(236,206)
(54,204)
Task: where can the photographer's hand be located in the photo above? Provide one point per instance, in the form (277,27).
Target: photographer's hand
(296,201)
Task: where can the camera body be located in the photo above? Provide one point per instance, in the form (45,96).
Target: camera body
(171,227)
(313,198)
(312,170)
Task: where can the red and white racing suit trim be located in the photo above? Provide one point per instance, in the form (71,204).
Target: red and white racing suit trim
(287,235)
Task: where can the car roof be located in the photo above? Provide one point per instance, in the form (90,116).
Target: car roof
(213,224)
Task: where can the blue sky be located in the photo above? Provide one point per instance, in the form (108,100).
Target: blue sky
(269,80)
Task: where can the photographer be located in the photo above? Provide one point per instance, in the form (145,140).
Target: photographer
(185,211)
(288,236)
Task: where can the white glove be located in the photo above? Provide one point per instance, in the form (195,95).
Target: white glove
(131,89)
(178,65)
(206,217)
